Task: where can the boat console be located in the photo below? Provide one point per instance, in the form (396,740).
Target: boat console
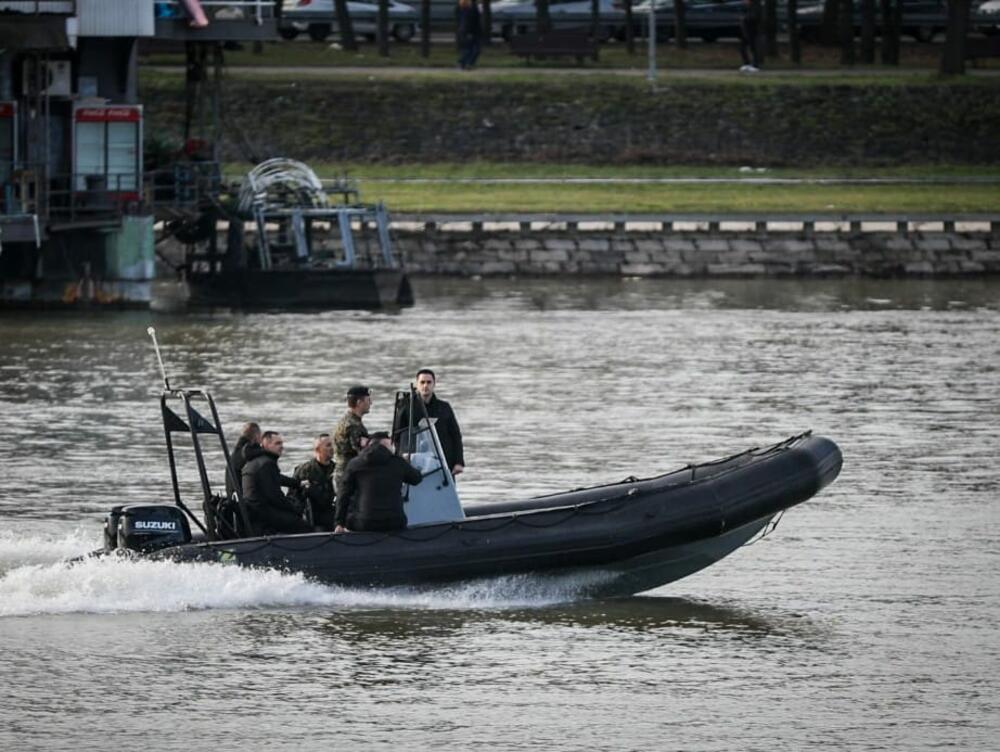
(435,498)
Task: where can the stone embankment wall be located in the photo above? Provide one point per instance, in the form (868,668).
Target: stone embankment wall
(700,254)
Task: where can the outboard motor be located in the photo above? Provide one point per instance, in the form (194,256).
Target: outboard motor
(111,528)
(148,527)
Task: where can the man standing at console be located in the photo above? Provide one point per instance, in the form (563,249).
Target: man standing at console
(446,424)
(350,435)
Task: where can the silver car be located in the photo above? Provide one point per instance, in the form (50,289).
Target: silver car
(318,18)
(512,17)
(986,17)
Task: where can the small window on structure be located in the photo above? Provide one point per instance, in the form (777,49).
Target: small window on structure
(106,149)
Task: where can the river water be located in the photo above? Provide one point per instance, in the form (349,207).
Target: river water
(867,620)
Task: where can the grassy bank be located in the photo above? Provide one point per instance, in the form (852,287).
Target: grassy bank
(466,188)
(461,197)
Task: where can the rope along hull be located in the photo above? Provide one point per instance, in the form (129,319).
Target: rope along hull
(622,538)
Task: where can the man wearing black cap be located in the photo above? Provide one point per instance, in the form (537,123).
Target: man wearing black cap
(350,435)
(370,498)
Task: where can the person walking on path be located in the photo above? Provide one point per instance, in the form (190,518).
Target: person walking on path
(749,29)
(469,32)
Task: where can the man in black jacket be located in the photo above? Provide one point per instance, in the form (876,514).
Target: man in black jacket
(249,436)
(370,499)
(446,425)
(271,512)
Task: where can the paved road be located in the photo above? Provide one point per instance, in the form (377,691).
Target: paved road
(949,180)
(663,74)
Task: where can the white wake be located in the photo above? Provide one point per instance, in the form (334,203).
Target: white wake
(37,578)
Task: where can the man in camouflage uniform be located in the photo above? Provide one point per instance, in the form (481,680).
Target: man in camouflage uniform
(319,472)
(350,435)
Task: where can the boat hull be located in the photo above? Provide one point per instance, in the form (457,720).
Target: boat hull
(623,538)
(300,288)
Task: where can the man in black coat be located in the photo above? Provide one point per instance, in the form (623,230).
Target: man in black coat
(271,512)
(371,498)
(469,31)
(446,425)
(249,436)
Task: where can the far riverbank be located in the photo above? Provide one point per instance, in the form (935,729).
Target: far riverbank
(595,119)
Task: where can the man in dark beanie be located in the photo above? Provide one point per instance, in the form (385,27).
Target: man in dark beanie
(370,498)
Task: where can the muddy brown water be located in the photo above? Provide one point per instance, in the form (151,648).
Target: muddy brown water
(866,621)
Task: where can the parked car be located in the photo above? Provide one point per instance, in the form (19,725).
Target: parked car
(922,19)
(318,18)
(986,17)
(520,16)
(708,19)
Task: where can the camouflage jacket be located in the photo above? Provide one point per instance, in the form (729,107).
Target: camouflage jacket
(320,479)
(347,441)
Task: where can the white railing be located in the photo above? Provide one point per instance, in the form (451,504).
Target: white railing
(38,7)
(224,10)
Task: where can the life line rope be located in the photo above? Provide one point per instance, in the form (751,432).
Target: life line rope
(588,508)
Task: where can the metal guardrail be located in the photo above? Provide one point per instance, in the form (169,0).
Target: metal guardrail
(78,197)
(724,17)
(818,222)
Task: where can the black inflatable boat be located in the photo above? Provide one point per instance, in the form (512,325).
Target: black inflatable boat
(617,539)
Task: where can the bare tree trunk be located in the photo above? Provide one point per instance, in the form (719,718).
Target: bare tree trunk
(487,22)
(953,56)
(382,27)
(680,23)
(595,25)
(425,28)
(891,20)
(771,28)
(543,19)
(846,16)
(868,31)
(897,27)
(629,28)
(829,30)
(794,42)
(757,43)
(346,28)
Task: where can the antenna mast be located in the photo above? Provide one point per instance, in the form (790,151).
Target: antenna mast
(156,346)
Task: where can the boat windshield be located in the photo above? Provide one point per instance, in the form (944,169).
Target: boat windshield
(424,456)
(435,498)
